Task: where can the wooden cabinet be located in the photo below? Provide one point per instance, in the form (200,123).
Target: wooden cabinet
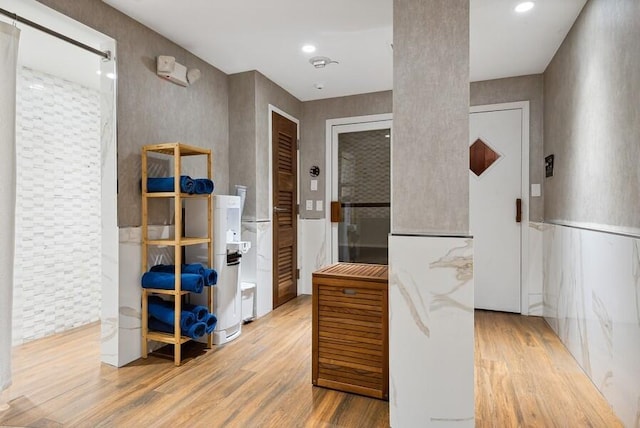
(177,151)
(350,329)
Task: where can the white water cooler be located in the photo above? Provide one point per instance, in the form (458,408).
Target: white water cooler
(227,255)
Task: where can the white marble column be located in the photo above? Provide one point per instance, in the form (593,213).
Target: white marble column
(431,331)
(430,257)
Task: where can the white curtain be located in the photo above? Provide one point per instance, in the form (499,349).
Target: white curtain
(9,37)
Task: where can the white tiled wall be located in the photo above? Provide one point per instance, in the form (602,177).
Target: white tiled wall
(58,231)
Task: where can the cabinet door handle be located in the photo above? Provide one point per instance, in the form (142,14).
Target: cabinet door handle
(279,210)
(518,210)
(350,292)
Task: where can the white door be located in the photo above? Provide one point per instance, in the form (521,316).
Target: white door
(495,184)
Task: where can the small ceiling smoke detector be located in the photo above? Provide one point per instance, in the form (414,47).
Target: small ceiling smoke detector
(524,7)
(319,86)
(308,48)
(321,61)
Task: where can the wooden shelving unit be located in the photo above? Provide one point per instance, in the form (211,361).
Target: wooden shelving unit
(177,150)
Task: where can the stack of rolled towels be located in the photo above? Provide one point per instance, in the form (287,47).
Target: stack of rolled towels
(198,186)
(194,277)
(195,320)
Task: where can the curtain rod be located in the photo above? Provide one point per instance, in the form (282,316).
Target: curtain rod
(104,54)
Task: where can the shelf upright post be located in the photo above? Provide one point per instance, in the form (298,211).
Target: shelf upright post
(145,237)
(210,245)
(177,171)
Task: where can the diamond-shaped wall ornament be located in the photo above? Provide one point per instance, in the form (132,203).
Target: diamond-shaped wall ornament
(481,157)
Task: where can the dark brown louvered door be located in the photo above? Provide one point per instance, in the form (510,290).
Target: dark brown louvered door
(285,136)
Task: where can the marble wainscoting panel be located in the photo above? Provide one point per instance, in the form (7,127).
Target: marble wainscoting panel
(312,247)
(128,323)
(592,302)
(109,213)
(248,271)
(431,338)
(534,274)
(264,267)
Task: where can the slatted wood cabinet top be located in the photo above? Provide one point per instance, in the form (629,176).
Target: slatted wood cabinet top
(350,347)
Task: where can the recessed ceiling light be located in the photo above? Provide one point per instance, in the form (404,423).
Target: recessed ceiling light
(98,72)
(524,6)
(111,76)
(308,48)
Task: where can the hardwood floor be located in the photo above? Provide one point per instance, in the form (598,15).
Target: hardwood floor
(524,377)
(263,379)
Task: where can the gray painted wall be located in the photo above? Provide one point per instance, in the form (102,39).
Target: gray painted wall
(250,94)
(313,139)
(151,110)
(242,137)
(592,119)
(430,153)
(524,88)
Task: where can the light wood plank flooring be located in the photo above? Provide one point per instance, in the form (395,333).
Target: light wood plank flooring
(524,377)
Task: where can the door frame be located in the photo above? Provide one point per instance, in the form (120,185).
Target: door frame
(361,123)
(523,106)
(273,109)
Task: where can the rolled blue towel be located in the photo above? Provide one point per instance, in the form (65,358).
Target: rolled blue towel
(210,277)
(211,322)
(165,312)
(203,186)
(166,281)
(195,268)
(195,331)
(199,311)
(166,184)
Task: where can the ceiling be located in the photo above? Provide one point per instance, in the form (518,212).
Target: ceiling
(267,36)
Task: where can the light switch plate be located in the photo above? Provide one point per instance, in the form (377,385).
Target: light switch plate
(535,190)
(314,185)
(309,205)
(318,205)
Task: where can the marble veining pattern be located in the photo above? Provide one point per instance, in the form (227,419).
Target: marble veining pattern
(636,276)
(534,304)
(591,302)
(264,267)
(431,331)
(127,321)
(312,247)
(257,265)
